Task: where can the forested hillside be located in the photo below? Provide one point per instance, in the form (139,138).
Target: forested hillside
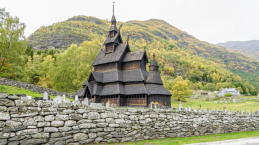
(247,48)
(178,52)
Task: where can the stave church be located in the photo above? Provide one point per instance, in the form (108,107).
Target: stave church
(120,76)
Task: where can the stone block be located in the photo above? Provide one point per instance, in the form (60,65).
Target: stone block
(86,141)
(62,117)
(58,134)
(80,136)
(64,129)
(24,114)
(3,141)
(14,98)
(27,131)
(68,111)
(87,125)
(6,102)
(114,125)
(30,122)
(33,141)
(92,135)
(43,124)
(81,111)
(3,108)
(75,116)
(4,116)
(40,135)
(93,115)
(125,139)
(50,129)
(57,123)
(65,105)
(6,135)
(70,123)
(49,118)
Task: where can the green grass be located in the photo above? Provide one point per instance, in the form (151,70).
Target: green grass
(195,104)
(15,90)
(197,139)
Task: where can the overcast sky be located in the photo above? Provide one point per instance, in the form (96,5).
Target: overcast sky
(213,21)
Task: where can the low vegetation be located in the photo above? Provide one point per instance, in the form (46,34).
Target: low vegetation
(249,106)
(15,90)
(197,139)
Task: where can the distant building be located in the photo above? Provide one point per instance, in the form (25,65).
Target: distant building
(233,91)
(120,76)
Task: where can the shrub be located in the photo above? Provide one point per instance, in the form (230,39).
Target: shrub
(228,94)
(109,141)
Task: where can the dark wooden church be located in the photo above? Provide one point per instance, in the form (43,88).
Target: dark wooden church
(120,76)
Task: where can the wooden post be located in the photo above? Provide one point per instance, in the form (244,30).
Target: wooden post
(119,100)
(145,100)
(94,98)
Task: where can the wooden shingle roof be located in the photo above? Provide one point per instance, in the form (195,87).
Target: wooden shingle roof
(133,56)
(153,63)
(97,89)
(111,39)
(98,76)
(154,78)
(134,75)
(154,89)
(79,93)
(85,82)
(113,28)
(135,89)
(112,76)
(112,89)
(103,58)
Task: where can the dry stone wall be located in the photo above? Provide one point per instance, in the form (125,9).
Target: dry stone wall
(32,87)
(44,122)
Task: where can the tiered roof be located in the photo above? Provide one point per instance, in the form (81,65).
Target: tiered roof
(124,82)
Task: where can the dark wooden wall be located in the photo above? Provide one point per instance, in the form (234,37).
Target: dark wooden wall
(105,67)
(109,47)
(143,64)
(153,68)
(160,99)
(131,65)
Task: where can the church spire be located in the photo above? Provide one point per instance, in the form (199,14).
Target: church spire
(154,62)
(113,21)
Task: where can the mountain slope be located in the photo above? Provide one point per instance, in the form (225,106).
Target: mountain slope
(247,48)
(174,48)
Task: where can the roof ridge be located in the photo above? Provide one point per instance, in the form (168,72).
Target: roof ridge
(118,88)
(117,75)
(145,88)
(141,74)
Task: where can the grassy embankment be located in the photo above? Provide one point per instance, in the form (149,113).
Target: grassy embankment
(248,105)
(197,139)
(15,90)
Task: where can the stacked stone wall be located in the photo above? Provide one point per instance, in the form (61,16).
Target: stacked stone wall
(32,87)
(44,122)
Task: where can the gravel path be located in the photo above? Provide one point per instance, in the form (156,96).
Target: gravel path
(245,141)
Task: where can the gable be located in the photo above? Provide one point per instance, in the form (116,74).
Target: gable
(91,78)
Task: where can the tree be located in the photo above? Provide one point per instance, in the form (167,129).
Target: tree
(180,89)
(74,66)
(12,44)
(240,90)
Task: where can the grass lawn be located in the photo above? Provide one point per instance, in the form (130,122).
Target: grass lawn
(195,104)
(15,90)
(196,139)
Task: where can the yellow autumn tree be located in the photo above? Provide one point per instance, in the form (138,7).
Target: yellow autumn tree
(180,89)
(240,90)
